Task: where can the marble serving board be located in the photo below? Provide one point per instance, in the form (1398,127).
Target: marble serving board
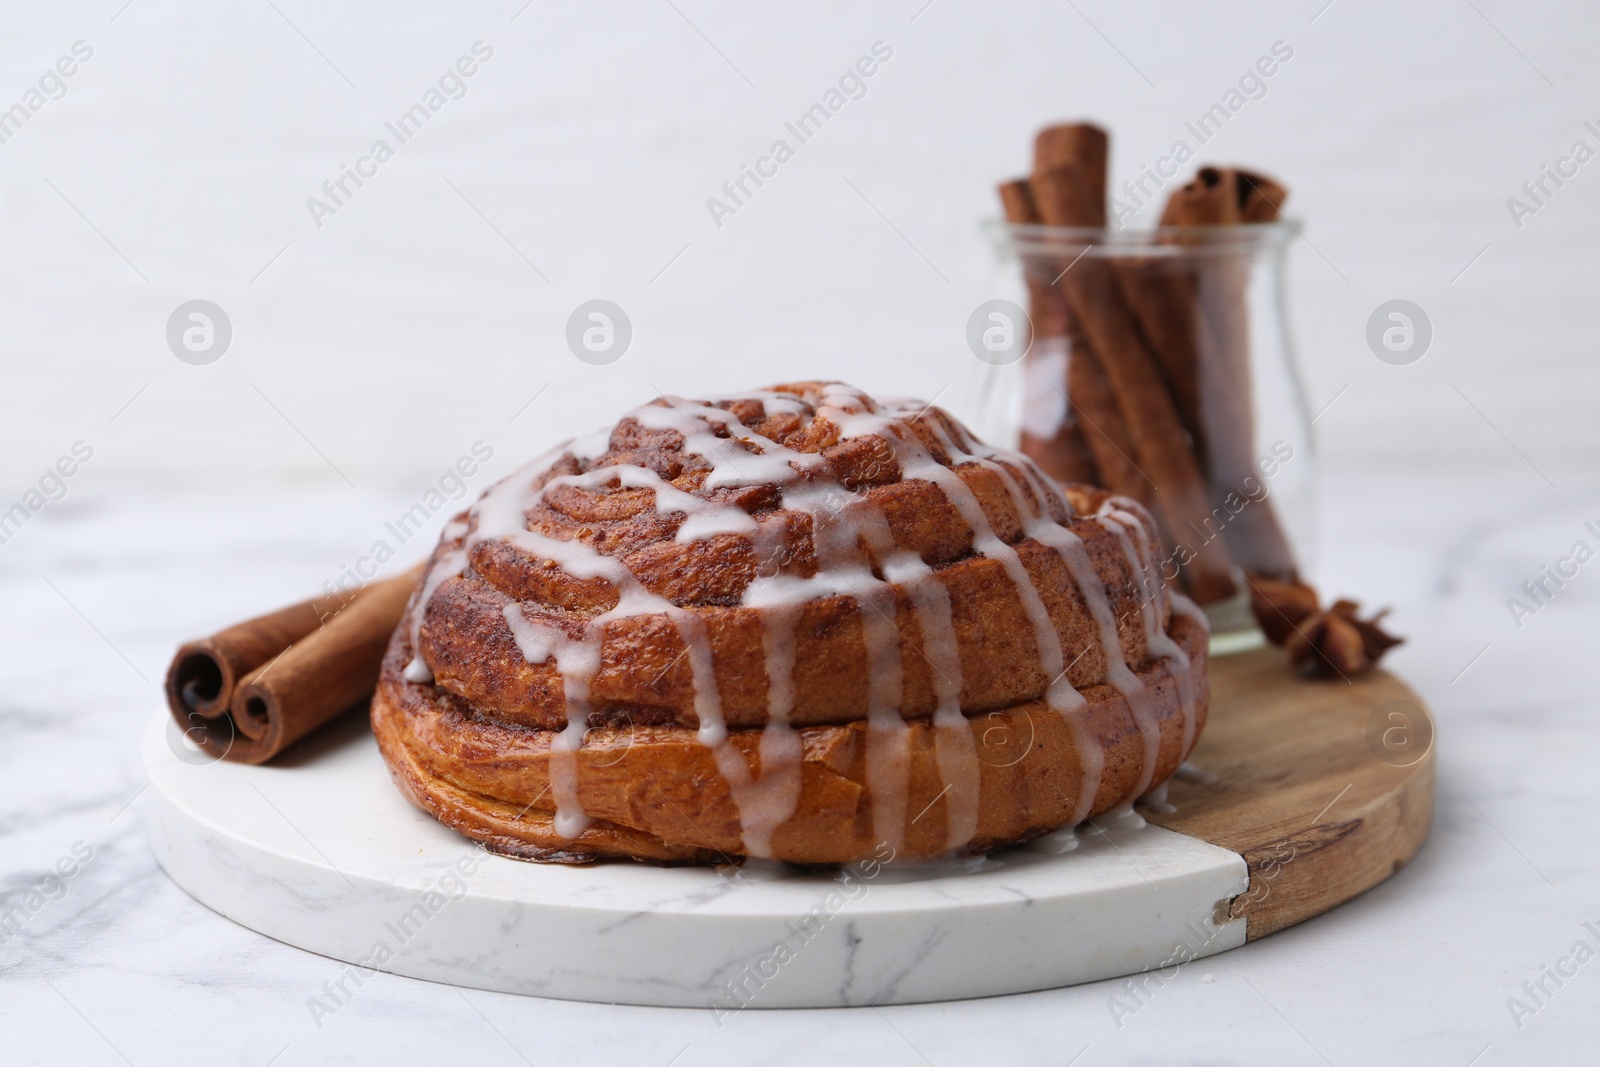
(319,850)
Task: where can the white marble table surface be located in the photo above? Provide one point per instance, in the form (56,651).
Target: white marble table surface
(125,967)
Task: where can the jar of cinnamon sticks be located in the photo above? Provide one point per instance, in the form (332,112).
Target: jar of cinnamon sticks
(1160,365)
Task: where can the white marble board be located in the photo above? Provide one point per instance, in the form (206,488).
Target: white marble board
(325,854)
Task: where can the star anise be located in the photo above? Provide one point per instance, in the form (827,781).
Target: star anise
(1318,641)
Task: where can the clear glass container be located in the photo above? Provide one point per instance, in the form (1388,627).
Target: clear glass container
(1159,364)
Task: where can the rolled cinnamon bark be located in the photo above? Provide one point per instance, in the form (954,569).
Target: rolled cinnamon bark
(1016,199)
(1082,145)
(1164,292)
(249,692)
(1064,194)
(1162,449)
(1214,198)
(1065,454)
(1106,432)
(1260,197)
(1225,426)
(205,673)
(1161,291)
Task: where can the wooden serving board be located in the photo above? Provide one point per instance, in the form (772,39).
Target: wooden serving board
(1324,787)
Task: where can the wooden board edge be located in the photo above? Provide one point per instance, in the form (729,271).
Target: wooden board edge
(1308,874)
(1285,746)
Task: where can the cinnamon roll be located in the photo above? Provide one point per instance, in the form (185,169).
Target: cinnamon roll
(798,623)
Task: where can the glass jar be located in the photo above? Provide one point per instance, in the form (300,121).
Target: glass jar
(1158,364)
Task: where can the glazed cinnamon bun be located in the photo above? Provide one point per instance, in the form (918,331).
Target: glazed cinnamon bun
(798,623)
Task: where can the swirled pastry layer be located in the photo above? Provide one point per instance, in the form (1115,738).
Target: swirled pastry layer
(787,616)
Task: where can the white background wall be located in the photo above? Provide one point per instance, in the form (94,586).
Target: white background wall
(406,327)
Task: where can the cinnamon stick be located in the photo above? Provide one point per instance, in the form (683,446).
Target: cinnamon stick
(1260,197)
(1106,432)
(1016,200)
(1084,146)
(249,692)
(1221,196)
(1214,198)
(1161,291)
(1065,454)
(1064,195)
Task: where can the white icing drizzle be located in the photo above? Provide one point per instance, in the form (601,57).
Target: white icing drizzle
(1038,525)
(501,515)
(1188,772)
(1121,818)
(1117,514)
(766,802)
(1156,799)
(955,749)
(1149,609)
(447,566)
(856,555)
(842,568)
(1061,840)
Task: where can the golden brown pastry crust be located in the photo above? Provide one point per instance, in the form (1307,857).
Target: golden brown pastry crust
(655,792)
(472,653)
(877,603)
